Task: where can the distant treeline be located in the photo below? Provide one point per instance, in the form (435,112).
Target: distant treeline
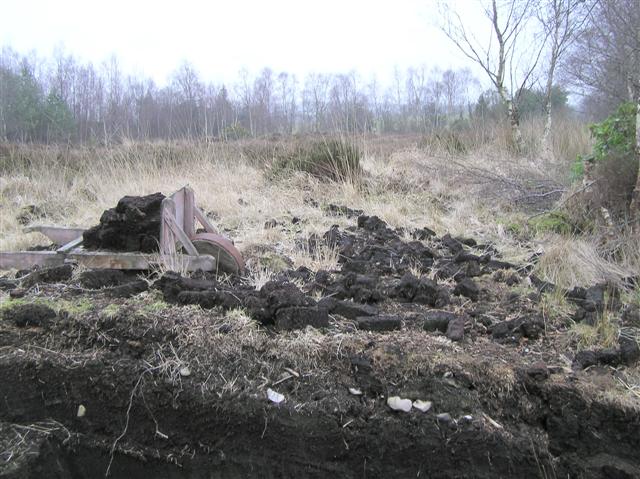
(63,100)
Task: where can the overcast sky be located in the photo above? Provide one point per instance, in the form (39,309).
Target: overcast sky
(221,37)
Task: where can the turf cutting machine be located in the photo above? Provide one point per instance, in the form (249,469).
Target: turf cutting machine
(178,241)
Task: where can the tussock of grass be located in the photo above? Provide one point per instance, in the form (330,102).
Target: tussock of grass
(110,311)
(322,257)
(325,159)
(570,261)
(259,277)
(555,308)
(603,334)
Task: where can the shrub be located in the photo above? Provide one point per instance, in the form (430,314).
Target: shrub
(613,162)
(615,136)
(333,159)
(234,131)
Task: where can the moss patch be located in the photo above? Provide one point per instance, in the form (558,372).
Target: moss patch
(553,222)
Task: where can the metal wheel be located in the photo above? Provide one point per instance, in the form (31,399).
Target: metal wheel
(228,258)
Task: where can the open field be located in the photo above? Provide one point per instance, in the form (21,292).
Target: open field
(539,379)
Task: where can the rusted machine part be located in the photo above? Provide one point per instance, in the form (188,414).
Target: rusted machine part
(179,218)
(228,258)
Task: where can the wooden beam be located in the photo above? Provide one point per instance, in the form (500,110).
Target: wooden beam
(57,234)
(167,238)
(203,220)
(27,259)
(178,213)
(103,259)
(189,215)
(70,245)
(181,235)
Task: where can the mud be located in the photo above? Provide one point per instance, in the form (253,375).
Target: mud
(32,314)
(96,279)
(170,383)
(54,274)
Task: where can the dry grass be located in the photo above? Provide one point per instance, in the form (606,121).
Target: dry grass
(471,194)
(570,261)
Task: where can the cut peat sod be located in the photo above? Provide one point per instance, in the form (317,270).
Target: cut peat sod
(415,358)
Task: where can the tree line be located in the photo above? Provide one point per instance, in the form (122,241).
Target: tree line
(63,100)
(590,47)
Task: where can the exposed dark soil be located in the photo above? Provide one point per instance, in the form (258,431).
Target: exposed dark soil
(172,381)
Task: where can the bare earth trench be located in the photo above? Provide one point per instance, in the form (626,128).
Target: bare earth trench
(104,373)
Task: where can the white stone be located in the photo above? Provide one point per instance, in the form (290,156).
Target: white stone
(423,406)
(274,397)
(398,404)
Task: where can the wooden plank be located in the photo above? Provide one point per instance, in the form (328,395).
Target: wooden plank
(167,238)
(57,234)
(182,237)
(189,215)
(27,259)
(107,259)
(102,259)
(141,261)
(203,220)
(202,262)
(178,199)
(70,245)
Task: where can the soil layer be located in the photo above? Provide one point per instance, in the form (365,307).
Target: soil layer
(206,377)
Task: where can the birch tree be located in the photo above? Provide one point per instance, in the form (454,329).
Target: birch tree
(562,21)
(502,56)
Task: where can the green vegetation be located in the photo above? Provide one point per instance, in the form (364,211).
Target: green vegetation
(110,311)
(33,115)
(553,222)
(604,333)
(10,303)
(76,307)
(615,137)
(155,307)
(531,102)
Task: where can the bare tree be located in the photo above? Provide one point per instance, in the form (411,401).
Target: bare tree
(189,92)
(244,91)
(316,91)
(634,206)
(562,21)
(78,102)
(262,99)
(114,93)
(502,56)
(456,85)
(604,65)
